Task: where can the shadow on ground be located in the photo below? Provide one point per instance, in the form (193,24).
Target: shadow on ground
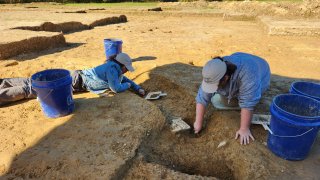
(144,58)
(30,56)
(98,141)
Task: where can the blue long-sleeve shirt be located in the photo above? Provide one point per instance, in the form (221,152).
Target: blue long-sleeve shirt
(107,76)
(247,83)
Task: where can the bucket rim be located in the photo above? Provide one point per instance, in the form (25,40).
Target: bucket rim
(305,123)
(32,77)
(308,95)
(298,116)
(113,39)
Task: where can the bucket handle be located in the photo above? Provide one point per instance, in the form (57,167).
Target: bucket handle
(267,128)
(51,90)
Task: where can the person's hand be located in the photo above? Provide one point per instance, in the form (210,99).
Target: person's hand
(142,92)
(245,135)
(197,127)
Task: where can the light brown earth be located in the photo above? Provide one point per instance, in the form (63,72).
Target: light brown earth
(127,137)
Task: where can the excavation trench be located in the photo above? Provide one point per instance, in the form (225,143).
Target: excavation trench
(183,152)
(192,154)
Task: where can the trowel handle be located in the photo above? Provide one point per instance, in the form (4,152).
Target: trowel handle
(163,94)
(266,127)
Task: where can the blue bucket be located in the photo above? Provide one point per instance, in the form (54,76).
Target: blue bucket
(54,91)
(308,89)
(295,122)
(112,47)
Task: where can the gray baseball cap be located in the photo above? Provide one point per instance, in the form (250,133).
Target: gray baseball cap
(125,59)
(212,72)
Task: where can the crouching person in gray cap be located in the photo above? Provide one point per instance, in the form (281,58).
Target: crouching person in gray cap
(240,76)
(108,76)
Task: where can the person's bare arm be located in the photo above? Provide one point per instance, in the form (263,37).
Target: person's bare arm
(244,132)
(200,109)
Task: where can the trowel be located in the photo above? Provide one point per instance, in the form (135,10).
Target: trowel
(155,95)
(178,125)
(261,119)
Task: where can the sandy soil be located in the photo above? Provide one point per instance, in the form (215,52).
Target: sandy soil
(125,136)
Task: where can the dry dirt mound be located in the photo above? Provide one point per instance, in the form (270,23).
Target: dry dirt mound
(284,27)
(20,42)
(74,26)
(111,20)
(312,7)
(17,42)
(52,27)
(99,141)
(309,8)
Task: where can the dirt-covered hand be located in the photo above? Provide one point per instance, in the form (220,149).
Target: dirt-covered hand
(245,135)
(197,127)
(142,92)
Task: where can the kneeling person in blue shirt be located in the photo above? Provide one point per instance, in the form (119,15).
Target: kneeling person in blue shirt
(108,76)
(240,76)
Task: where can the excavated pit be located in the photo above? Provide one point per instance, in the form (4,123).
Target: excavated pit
(198,155)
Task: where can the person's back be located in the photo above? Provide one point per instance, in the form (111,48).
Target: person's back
(251,64)
(100,72)
(249,81)
(99,78)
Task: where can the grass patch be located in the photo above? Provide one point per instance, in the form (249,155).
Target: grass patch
(111,5)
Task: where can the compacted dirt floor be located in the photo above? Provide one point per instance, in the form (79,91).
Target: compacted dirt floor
(127,137)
